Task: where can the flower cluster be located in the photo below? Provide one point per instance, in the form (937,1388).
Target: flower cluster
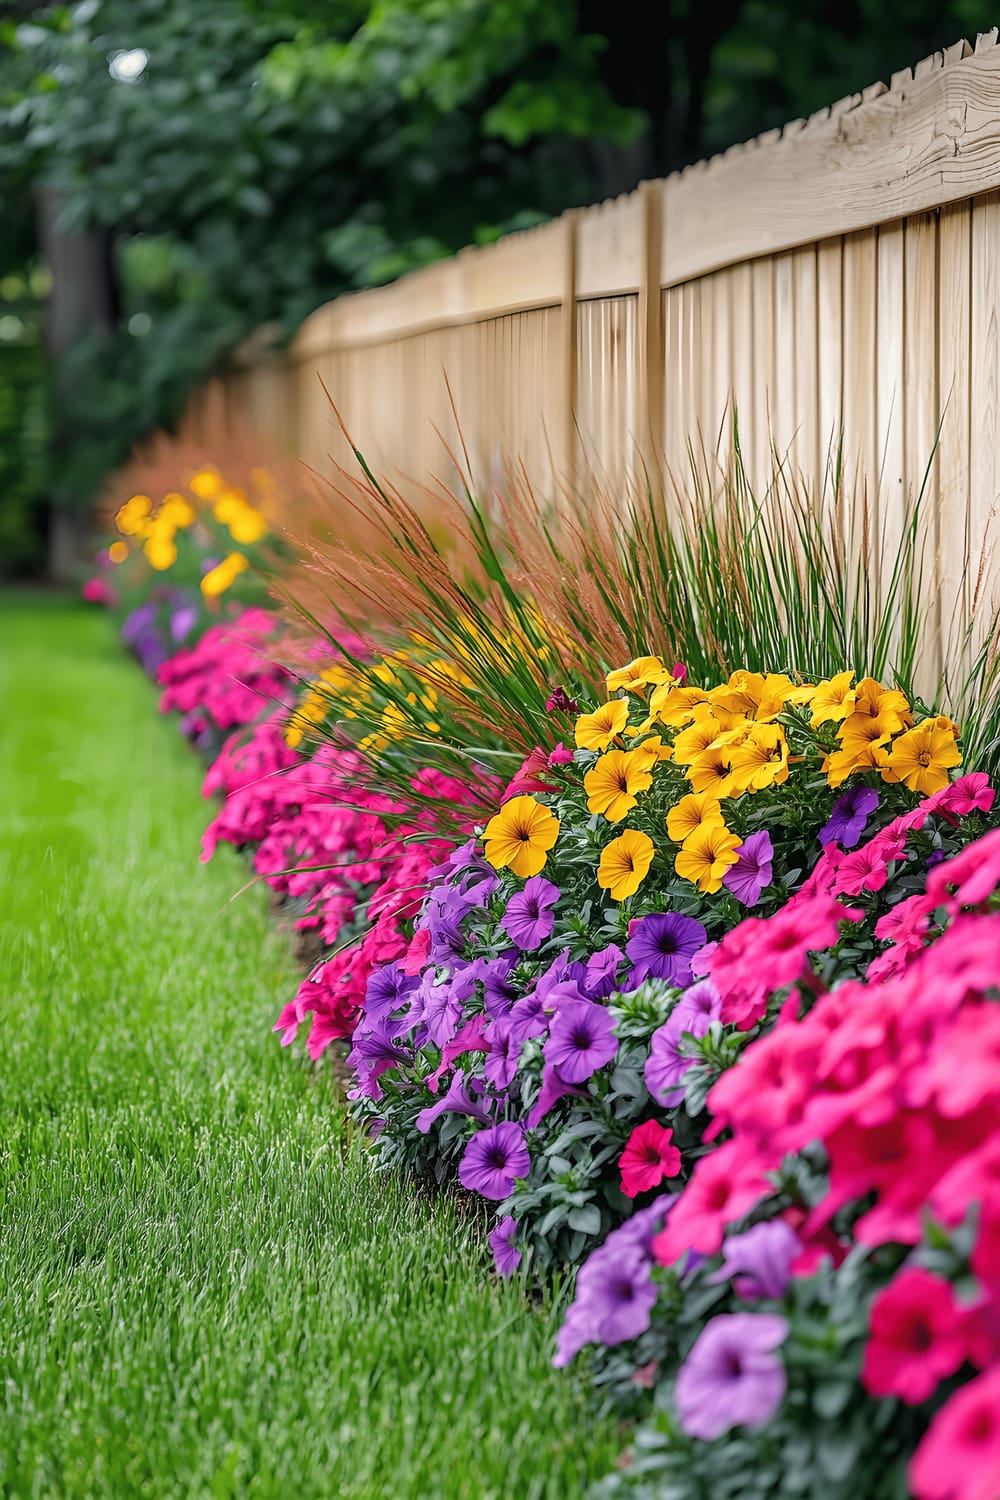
(229,677)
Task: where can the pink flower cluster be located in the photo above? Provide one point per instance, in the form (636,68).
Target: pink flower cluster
(765,954)
(899,1078)
(228,678)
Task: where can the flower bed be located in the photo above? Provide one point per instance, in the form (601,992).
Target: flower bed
(701,1001)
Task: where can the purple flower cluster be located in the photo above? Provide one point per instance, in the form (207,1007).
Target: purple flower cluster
(667,1063)
(615,1290)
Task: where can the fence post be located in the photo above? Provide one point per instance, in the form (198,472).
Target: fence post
(651,351)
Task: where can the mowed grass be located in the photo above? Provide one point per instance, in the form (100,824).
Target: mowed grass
(205,1290)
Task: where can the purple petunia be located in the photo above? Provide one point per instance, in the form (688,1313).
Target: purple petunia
(499,990)
(849,817)
(530,916)
(615,1291)
(732,1376)
(581,1040)
(388,989)
(494,1159)
(667,1062)
(601,978)
(458,1101)
(506,1255)
(662,947)
(759,1261)
(553,1089)
(754,868)
(505,1050)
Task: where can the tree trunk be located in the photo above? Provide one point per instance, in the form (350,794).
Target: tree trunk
(81,304)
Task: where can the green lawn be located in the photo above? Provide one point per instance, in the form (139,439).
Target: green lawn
(204,1289)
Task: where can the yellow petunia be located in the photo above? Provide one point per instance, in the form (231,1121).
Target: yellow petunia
(761,760)
(176,511)
(118,551)
(133,515)
(712,773)
(625,864)
(675,706)
(741,694)
(834,698)
(206,484)
(613,784)
(690,813)
(861,731)
(921,758)
(843,763)
(887,704)
(777,692)
(706,855)
(699,736)
(247,526)
(223,575)
(161,553)
(639,674)
(652,751)
(520,836)
(596,731)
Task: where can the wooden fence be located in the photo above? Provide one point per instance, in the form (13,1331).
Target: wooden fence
(840,276)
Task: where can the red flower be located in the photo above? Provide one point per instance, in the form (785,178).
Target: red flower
(725,1186)
(648,1158)
(918,1337)
(528,777)
(959,1459)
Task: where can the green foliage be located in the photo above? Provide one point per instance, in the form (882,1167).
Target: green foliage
(217,1296)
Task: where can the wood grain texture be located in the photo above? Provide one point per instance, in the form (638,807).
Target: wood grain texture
(954,333)
(925,142)
(984,476)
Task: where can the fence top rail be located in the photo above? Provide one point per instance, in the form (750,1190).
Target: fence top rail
(928,138)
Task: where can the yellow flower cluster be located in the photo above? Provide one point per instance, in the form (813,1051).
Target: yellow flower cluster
(876,732)
(403,681)
(156,527)
(727,743)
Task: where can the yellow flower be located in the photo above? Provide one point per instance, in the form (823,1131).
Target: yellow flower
(887,704)
(861,731)
(614,783)
(161,553)
(206,484)
(638,674)
(625,864)
(675,705)
(761,760)
(696,739)
(706,855)
(247,525)
(712,773)
(833,699)
(741,694)
(843,763)
(596,731)
(118,551)
(223,575)
(520,836)
(690,813)
(652,751)
(920,758)
(133,515)
(176,511)
(777,691)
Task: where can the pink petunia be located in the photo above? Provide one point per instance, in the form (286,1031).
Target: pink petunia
(724,1187)
(918,1337)
(649,1157)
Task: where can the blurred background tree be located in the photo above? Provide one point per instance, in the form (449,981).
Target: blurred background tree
(189,170)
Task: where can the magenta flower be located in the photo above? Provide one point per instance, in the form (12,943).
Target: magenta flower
(754,868)
(529,917)
(506,1255)
(849,817)
(662,947)
(581,1040)
(732,1376)
(494,1159)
